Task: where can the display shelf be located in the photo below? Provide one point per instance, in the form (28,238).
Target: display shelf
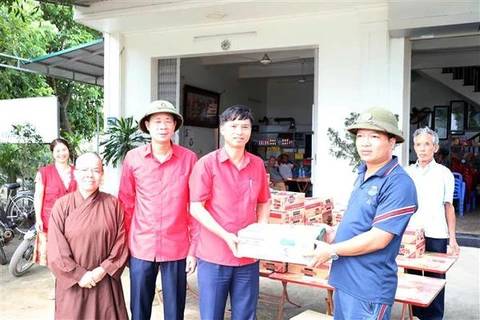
(294,143)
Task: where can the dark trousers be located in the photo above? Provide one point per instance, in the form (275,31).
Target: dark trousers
(143,275)
(435,310)
(215,282)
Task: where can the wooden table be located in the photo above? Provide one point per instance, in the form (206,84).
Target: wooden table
(302,183)
(431,262)
(411,290)
(288,277)
(435,262)
(280,299)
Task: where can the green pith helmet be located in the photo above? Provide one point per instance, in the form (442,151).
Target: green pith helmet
(378,119)
(161,106)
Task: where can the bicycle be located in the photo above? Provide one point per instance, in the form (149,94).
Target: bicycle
(20,212)
(19,216)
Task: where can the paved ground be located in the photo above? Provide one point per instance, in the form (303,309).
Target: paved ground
(26,297)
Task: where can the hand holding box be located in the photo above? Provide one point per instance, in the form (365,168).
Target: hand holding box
(280,242)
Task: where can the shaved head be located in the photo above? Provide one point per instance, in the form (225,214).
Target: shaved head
(88,173)
(89,159)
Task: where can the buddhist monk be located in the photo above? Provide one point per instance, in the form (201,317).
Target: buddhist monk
(87,249)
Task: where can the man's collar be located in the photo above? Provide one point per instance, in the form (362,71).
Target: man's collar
(147,149)
(383,171)
(428,166)
(223,156)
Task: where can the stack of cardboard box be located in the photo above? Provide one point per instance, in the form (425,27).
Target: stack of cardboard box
(289,208)
(413,243)
(286,208)
(318,210)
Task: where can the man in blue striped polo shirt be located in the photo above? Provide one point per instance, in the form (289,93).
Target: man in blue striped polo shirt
(367,241)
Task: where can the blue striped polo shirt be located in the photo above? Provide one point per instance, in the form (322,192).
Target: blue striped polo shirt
(386,200)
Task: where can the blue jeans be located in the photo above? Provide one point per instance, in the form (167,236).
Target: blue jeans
(143,275)
(435,310)
(216,282)
(348,307)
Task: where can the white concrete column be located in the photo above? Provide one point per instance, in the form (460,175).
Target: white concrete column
(399,91)
(112,74)
(386,76)
(112,97)
(374,65)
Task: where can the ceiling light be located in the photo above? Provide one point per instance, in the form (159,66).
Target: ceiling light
(216,15)
(265,59)
(302,80)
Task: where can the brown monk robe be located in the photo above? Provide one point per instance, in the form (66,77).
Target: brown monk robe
(87,249)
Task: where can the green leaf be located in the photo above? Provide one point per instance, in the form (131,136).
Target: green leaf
(345,148)
(120,138)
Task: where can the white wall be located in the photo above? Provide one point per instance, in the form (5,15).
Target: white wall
(355,59)
(428,93)
(288,98)
(41,112)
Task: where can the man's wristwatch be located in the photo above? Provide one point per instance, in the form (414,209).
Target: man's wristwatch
(333,252)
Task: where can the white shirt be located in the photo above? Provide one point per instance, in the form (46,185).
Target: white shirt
(285,170)
(435,184)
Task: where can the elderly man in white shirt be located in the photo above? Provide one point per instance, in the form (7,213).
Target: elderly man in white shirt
(436,214)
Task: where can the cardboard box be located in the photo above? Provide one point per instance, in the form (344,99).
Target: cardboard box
(337,216)
(323,204)
(276,266)
(413,235)
(321,272)
(312,207)
(412,250)
(326,203)
(286,200)
(295,216)
(324,217)
(279,242)
(311,315)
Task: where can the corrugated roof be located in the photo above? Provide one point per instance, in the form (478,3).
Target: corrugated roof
(83,63)
(81,3)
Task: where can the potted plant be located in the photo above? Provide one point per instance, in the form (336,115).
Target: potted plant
(122,136)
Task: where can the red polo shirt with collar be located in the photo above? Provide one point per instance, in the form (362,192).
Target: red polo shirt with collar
(231,196)
(155,198)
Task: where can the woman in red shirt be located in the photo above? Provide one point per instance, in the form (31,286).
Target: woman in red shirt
(51,182)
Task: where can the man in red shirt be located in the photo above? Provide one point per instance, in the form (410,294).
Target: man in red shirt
(161,233)
(228,191)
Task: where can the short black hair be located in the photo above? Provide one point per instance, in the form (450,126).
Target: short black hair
(236,112)
(54,143)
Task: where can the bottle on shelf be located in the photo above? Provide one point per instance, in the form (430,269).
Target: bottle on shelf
(301,171)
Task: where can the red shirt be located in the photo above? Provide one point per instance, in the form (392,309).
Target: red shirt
(231,196)
(54,188)
(155,199)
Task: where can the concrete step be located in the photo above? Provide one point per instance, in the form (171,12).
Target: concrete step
(468,240)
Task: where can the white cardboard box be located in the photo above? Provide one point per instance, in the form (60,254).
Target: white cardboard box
(311,315)
(291,216)
(279,242)
(286,200)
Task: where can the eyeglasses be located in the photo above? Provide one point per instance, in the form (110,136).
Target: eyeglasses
(94,171)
